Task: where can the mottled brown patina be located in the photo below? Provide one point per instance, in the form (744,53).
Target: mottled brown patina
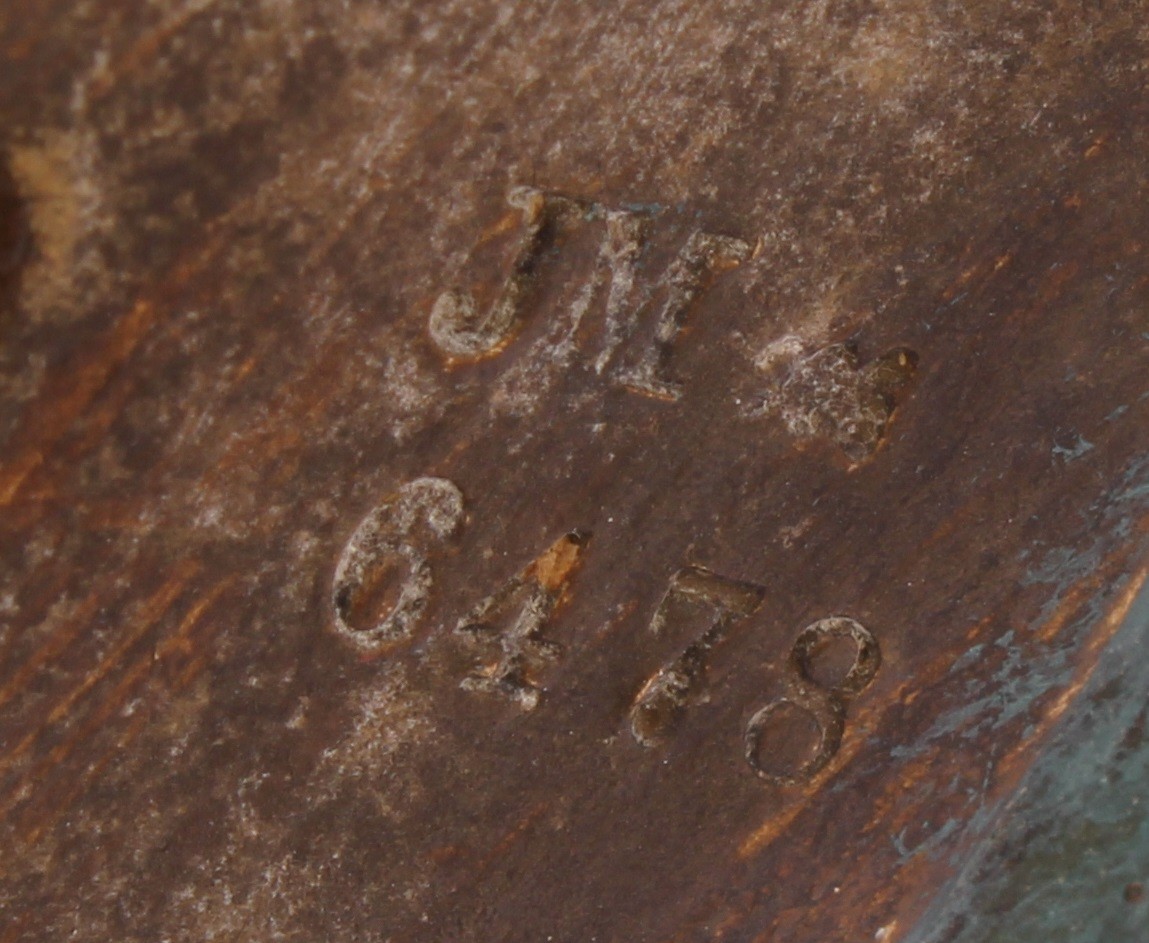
(843,313)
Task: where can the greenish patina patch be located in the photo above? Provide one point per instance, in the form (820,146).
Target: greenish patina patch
(1065,860)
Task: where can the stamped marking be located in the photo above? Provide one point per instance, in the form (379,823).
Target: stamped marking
(789,740)
(514,617)
(664,697)
(817,655)
(626,236)
(461,331)
(825,393)
(792,739)
(456,324)
(702,258)
(383,578)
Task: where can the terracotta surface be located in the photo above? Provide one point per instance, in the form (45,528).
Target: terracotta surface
(330,610)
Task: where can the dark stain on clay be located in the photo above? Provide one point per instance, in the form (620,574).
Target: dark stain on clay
(15,235)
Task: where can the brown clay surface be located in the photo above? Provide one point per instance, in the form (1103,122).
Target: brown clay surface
(917,400)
